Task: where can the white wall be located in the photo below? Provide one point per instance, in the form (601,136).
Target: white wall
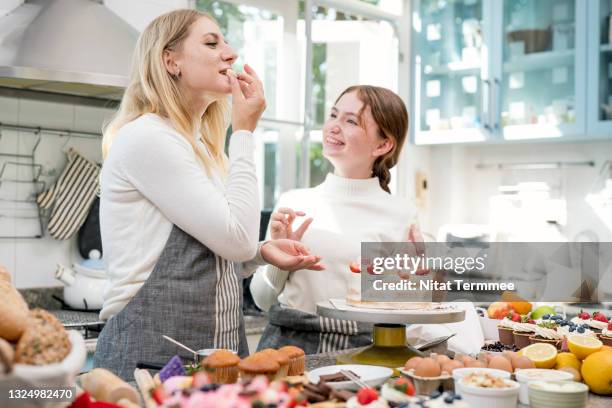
(32,261)
(459,192)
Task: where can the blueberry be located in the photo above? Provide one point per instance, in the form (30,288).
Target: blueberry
(572,328)
(563,322)
(435,394)
(449,399)
(581,330)
(546,317)
(556,317)
(585,326)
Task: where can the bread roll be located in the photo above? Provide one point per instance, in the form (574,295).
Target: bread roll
(13,312)
(106,386)
(44,341)
(7,357)
(5,275)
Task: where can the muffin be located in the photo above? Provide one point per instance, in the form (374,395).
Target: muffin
(297,359)
(222,367)
(258,364)
(547,333)
(506,329)
(44,341)
(281,359)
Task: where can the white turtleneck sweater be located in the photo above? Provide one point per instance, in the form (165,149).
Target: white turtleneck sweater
(345,212)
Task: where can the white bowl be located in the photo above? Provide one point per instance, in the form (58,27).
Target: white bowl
(480,397)
(566,394)
(371,375)
(525,376)
(459,373)
(489,328)
(60,374)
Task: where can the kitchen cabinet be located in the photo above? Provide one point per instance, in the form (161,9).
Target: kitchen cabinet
(491,70)
(599,38)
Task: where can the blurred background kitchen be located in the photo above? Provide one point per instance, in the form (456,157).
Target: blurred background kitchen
(510,114)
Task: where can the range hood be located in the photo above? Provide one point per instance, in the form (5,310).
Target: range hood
(74,47)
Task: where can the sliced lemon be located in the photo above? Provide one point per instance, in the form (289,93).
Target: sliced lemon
(543,355)
(583,346)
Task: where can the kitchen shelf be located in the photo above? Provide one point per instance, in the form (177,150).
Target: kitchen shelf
(540,60)
(454,68)
(605,47)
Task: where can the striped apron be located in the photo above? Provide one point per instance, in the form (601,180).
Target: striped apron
(192,295)
(314,334)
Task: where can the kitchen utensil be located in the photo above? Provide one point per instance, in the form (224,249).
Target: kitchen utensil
(371,375)
(84,282)
(354,379)
(171,340)
(434,342)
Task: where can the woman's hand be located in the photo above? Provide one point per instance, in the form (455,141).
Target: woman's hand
(281,224)
(290,255)
(248,101)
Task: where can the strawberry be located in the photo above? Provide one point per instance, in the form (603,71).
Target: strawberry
(609,325)
(516,317)
(366,395)
(584,315)
(600,317)
(158,394)
(531,321)
(354,267)
(405,386)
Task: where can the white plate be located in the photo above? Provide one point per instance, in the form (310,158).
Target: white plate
(371,375)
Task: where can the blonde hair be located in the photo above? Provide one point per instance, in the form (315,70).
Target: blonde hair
(152,89)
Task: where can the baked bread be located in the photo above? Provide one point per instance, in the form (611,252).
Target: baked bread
(5,274)
(45,341)
(13,312)
(7,357)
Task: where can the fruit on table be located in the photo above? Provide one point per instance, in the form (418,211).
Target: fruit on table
(366,395)
(583,346)
(521,307)
(541,311)
(543,355)
(572,371)
(567,360)
(597,373)
(500,363)
(600,317)
(522,362)
(498,310)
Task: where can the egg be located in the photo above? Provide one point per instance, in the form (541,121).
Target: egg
(441,358)
(466,359)
(475,364)
(500,363)
(450,366)
(522,362)
(428,368)
(485,357)
(510,355)
(412,363)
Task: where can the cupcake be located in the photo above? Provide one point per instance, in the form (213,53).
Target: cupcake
(606,335)
(281,359)
(222,367)
(258,364)
(505,328)
(297,359)
(597,322)
(547,333)
(522,332)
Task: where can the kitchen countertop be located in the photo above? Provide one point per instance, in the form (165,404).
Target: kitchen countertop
(324,359)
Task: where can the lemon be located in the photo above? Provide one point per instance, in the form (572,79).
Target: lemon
(567,360)
(583,346)
(543,355)
(596,372)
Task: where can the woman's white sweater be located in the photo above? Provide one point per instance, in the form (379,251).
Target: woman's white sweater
(346,212)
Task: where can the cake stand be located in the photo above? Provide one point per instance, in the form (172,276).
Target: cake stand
(389,347)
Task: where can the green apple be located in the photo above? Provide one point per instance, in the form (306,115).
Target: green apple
(541,311)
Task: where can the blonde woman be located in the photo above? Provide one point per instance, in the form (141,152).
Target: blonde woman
(176,214)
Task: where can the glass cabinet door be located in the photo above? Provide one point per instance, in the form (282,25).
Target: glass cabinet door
(538,86)
(450,71)
(599,102)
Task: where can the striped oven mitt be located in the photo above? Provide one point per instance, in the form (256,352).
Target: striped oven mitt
(71,196)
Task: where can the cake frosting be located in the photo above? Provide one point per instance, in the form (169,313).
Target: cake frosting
(506,323)
(546,333)
(594,324)
(524,327)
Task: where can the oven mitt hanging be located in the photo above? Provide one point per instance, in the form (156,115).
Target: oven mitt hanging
(71,196)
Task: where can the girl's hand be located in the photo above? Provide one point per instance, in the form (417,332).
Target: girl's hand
(281,224)
(248,101)
(290,255)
